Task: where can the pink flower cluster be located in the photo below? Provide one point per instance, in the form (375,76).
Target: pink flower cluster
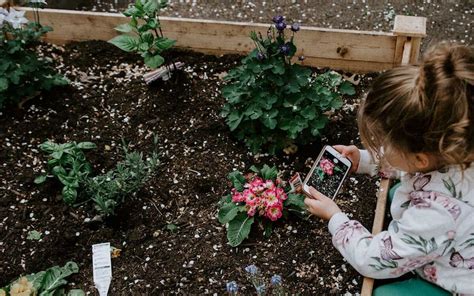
(327,166)
(262,197)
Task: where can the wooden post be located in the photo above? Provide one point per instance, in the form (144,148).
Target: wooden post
(408,29)
(382,195)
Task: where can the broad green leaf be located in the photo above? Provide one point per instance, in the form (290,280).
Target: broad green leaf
(125,42)
(36,279)
(279,67)
(56,277)
(69,195)
(164,43)
(48,146)
(308,112)
(238,180)
(234,119)
(269,173)
(295,200)
(40,179)
(239,229)
(57,154)
(124,28)
(3,84)
(154,61)
(346,88)
(86,145)
(228,212)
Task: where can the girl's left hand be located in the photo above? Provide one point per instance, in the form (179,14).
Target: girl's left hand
(320,205)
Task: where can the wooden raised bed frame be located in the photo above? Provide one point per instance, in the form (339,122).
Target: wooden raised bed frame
(347,50)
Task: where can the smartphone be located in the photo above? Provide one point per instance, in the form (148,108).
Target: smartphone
(328,172)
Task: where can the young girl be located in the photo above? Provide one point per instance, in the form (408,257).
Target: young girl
(423,117)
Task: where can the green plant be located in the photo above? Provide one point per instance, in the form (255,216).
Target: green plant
(44,283)
(111,189)
(260,197)
(23,74)
(148,39)
(271,102)
(67,162)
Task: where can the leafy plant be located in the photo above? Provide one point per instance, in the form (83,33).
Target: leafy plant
(44,283)
(257,197)
(67,162)
(147,39)
(23,74)
(271,102)
(111,189)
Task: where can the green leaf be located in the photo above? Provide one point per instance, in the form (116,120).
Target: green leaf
(69,195)
(279,67)
(124,28)
(164,43)
(228,212)
(125,42)
(33,235)
(3,84)
(76,292)
(346,88)
(296,200)
(55,278)
(269,173)
(239,229)
(86,145)
(234,119)
(154,61)
(267,228)
(40,179)
(238,180)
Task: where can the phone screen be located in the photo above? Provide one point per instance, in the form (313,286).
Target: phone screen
(328,174)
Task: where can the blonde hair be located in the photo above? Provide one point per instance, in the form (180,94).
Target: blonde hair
(427,108)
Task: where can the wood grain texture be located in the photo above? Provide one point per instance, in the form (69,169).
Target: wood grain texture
(349,50)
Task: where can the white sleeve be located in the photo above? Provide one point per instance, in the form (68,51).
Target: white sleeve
(366,164)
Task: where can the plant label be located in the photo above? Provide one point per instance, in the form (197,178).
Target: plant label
(102,267)
(296,183)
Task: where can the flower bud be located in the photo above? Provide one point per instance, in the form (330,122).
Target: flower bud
(295,27)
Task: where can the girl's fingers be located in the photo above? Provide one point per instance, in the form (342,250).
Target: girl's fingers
(314,193)
(341,149)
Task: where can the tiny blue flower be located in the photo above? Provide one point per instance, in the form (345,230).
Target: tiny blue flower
(285,49)
(295,27)
(252,269)
(278,19)
(232,287)
(260,56)
(276,280)
(280,26)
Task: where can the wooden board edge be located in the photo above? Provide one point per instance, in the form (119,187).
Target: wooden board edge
(368,283)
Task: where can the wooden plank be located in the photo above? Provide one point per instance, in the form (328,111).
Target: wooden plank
(357,51)
(382,196)
(415,50)
(406,52)
(412,26)
(399,46)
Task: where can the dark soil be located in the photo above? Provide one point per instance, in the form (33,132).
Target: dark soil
(106,102)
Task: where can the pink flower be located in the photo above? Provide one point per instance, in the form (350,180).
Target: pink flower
(274,213)
(249,197)
(251,210)
(415,263)
(327,166)
(237,196)
(281,195)
(269,184)
(270,198)
(430,273)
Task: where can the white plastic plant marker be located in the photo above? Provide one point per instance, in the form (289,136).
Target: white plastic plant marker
(102,267)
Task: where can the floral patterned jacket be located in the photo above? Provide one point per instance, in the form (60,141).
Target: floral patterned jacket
(432,231)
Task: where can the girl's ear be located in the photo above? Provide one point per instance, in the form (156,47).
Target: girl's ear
(423,161)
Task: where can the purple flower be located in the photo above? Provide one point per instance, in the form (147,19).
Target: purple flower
(260,56)
(252,269)
(276,280)
(261,289)
(295,27)
(232,287)
(278,19)
(285,49)
(280,26)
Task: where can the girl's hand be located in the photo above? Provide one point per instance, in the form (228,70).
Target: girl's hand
(352,153)
(320,205)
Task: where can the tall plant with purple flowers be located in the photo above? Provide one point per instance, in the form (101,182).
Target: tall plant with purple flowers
(272,102)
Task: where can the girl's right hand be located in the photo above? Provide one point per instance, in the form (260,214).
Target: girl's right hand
(352,153)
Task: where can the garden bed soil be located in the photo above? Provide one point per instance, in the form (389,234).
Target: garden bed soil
(107,102)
